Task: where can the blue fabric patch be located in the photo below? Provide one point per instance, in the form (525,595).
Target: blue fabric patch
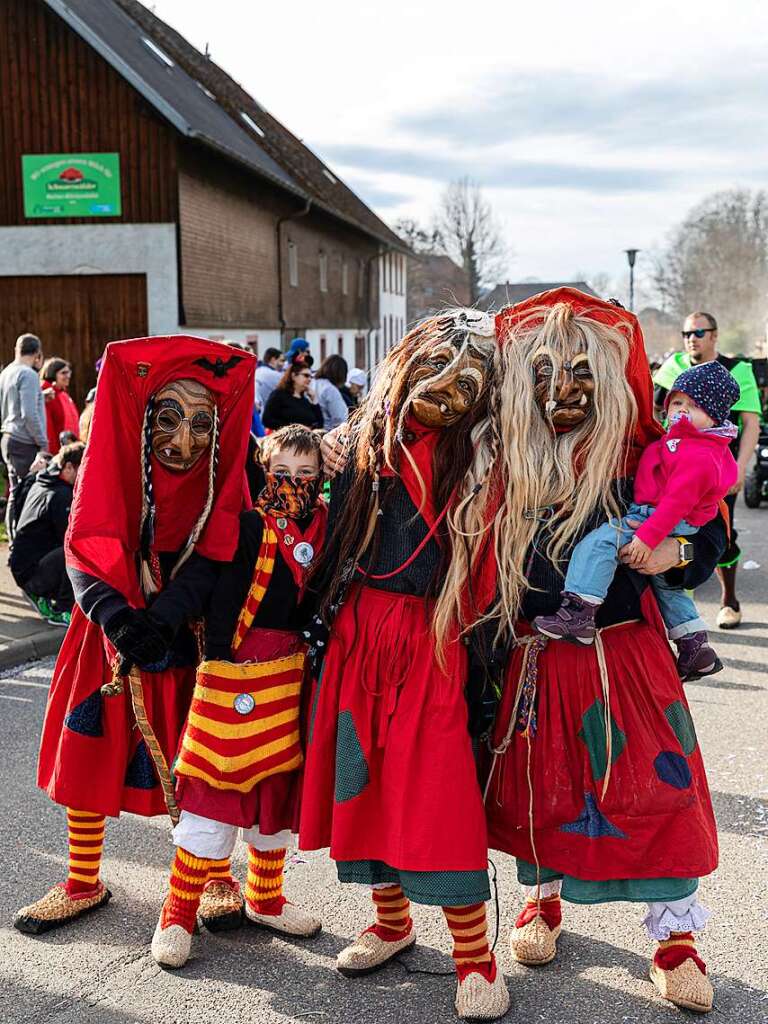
(592,823)
(141,770)
(86,717)
(673,769)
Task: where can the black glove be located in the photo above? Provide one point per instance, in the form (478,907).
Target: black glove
(140,637)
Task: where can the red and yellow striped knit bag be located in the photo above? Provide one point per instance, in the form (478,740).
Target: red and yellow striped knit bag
(243,724)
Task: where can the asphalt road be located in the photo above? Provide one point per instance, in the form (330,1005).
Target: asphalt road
(100,970)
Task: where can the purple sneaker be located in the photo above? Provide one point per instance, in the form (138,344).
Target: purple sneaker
(695,658)
(574,621)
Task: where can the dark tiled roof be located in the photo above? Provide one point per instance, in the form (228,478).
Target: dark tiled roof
(204,103)
(508,294)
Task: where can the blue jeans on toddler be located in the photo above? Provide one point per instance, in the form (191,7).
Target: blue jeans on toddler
(596,557)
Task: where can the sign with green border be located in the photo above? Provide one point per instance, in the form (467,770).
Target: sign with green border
(71,185)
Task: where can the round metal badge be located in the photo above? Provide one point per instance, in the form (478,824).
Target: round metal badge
(243,703)
(282,522)
(304,553)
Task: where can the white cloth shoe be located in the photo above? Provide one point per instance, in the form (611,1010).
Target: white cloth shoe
(477,998)
(171,946)
(728,618)
(291,920)
(368,953)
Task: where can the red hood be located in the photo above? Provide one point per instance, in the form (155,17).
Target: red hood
(638,372)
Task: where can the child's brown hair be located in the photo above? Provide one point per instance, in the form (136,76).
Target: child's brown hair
(294,438)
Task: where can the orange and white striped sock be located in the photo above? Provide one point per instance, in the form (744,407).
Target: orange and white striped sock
(188,877)
(393,913)
(86,843)
(264,885)
(469,929)
(222,872)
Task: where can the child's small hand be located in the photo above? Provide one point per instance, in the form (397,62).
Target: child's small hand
(638,553)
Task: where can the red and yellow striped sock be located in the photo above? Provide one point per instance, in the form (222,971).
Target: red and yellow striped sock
(222,872)
(86,843)
(393,913)
(188,877)
(469,929)
(264,885)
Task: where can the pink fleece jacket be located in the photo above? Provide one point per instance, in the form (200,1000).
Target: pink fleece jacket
(683,475)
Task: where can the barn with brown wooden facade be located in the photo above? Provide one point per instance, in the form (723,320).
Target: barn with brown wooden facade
(143,191)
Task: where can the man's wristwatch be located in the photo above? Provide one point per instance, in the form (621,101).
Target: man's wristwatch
(686,552)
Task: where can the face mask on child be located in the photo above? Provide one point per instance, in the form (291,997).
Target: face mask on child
(293,496)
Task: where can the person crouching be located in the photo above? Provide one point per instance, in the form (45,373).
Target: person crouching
(240,759)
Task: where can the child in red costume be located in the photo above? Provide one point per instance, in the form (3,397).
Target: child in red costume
(680,480)
(155,508)
(240,756)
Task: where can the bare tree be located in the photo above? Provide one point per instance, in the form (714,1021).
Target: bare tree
(717,260)
(422,240)
(469,234)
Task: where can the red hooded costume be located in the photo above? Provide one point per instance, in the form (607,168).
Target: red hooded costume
(92,756)
(653,819)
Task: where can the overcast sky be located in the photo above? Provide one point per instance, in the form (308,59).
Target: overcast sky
(592,126)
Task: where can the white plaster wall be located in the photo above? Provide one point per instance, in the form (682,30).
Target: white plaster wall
(391,304)
(54,249)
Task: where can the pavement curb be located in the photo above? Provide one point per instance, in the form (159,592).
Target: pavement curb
(31,648)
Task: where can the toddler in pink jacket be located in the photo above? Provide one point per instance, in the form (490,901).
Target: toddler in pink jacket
(680,480)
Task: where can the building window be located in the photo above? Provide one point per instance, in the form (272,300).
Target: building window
(323,271)
(323,346)
(293,265)
(340,345)
(360,279)
(376,350)
(344,277)
(361,362)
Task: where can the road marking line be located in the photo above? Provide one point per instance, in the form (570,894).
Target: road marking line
(23,682)
(24,700)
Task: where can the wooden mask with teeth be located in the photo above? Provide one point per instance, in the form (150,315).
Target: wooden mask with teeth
(454,371)
(564,387)
(182,424)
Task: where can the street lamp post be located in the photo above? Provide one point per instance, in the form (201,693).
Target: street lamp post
(631,257)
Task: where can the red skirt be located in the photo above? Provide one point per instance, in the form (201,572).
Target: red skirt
(92,755)
(656,819)
(273,803)
(389,773)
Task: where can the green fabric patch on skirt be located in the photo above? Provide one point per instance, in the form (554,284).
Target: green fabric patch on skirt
(593,734)
(351,766)
(679,718)
(612,890)
(431,888)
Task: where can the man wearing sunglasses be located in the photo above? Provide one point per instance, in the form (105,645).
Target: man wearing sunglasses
(700,339)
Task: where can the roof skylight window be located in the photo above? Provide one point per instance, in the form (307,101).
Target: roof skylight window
(329,176)
(154,48)
(251,123)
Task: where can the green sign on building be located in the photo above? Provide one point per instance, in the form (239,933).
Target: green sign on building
(71,185)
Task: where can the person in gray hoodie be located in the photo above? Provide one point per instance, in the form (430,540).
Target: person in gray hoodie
(22,413)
